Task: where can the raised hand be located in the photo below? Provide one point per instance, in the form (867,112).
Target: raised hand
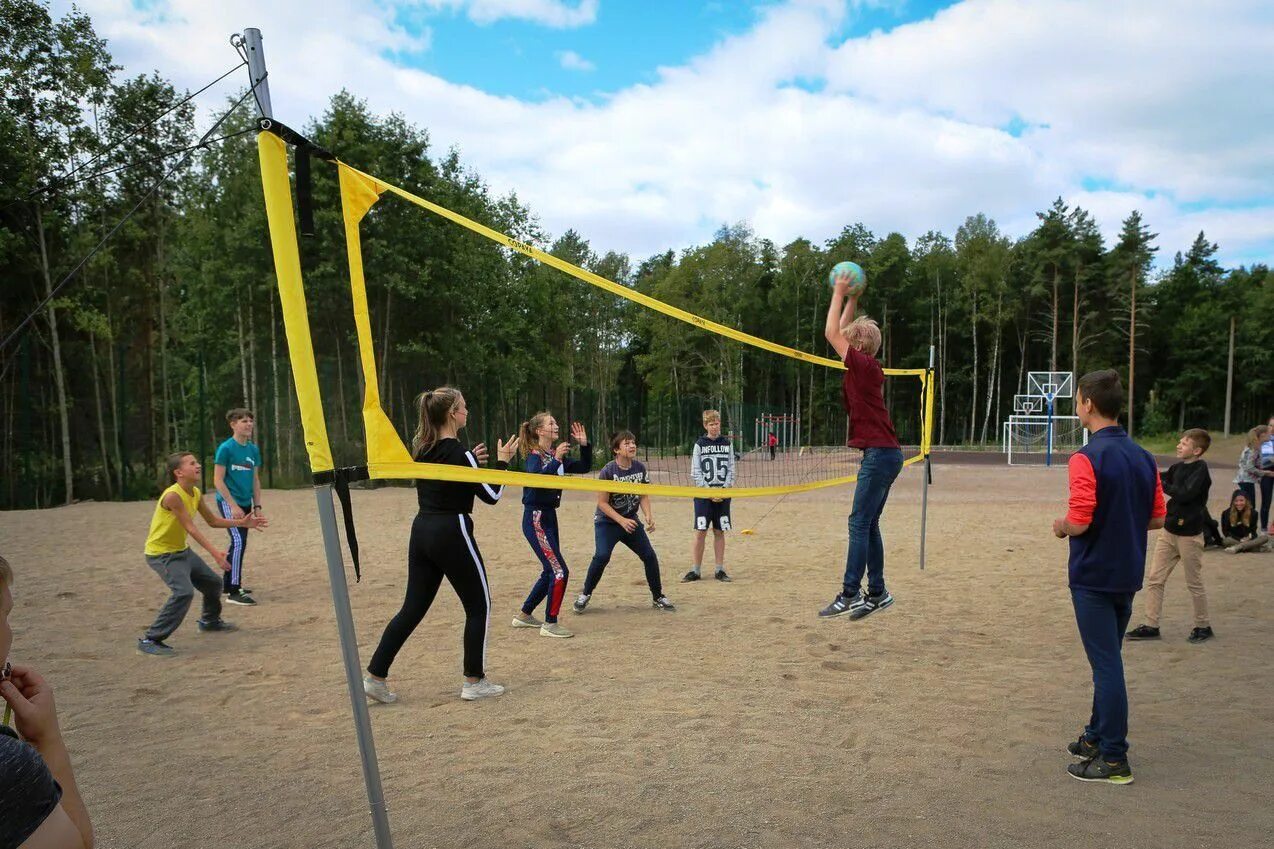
(505,449)
(479,453)
(578,433)
(563,448)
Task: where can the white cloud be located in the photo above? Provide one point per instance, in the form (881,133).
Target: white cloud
(572,61)
(549,13)
(782,127)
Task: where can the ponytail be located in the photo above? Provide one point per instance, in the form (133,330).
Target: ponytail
(435,405)
(528,439)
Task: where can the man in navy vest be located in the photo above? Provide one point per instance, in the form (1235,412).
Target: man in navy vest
(1115,498)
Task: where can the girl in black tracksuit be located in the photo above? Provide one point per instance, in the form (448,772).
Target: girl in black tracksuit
(442,544)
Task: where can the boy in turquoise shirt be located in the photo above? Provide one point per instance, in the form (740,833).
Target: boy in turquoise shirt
(238,494)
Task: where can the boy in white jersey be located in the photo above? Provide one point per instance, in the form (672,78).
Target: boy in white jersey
(711,466)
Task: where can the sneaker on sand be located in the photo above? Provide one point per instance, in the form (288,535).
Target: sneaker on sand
(1083,748)
(378,691)
(483,689)
(870,604)
(840,605)
(525,620)
(722,576)
(1199,635)
(1100,769)
(1143,632)
(1231,549)
(581,603)
(240,596)
(155,648)
(692,575)
(662,603)
(217,625)
(552,629)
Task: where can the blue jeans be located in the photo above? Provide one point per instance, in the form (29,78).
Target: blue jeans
(1102,620)
(876,474)
(607,536)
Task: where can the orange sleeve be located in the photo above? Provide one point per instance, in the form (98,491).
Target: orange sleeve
(1083,486)
(1159,509)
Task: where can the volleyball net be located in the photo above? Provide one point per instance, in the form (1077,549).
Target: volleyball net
(789,437)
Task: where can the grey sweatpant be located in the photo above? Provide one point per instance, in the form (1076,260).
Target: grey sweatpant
(183,572)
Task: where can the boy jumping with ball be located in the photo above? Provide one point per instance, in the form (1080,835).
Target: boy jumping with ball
(711,466)
(857,340)
(1115,497)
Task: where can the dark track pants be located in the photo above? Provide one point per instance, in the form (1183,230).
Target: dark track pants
(539,526)
(1102,620)
(233,579)
(608,535)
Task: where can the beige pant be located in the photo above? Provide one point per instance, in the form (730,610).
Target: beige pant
(1169,548)
(1253,544)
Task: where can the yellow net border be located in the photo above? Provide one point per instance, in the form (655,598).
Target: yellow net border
(387,456)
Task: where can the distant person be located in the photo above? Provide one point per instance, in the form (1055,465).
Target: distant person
(1239,526)
(1265,462)
(170,555)
(1186,484)
(237,479)
(773,442)
(711,467)
(1115,497)
(40,804)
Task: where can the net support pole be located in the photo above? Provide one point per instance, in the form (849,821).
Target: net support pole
(928,472)
(353,668)
(256,70)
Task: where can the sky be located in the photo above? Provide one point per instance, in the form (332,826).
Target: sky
(646,126)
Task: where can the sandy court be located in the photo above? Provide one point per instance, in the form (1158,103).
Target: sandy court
(738,721)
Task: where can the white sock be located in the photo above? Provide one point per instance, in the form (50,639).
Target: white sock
(720,567)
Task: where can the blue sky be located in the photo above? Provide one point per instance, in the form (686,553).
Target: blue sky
(625,45)
(645,126)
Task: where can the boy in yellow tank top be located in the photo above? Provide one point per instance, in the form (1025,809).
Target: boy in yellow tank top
(168,553)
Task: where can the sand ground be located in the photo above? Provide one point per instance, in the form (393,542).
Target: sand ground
(738,721)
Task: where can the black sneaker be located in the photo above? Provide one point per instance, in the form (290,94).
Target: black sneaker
(870,604)
(722,576)
(240,596)
(217,625)
(155,648)
(1082,748)
(581,602)
(1143,632)
(840,605)
(1100,769)
(1199,635)
(692,575)
(662,603)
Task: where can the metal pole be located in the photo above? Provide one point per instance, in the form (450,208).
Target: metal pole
(928,473)
(1229,381)
(353,667)
(256,70)
(203,428)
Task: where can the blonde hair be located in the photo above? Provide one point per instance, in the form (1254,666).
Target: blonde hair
(863,334)
(1247,510)
(711,416)
(435,406)
(6,574)
(1256,436)
(528,439)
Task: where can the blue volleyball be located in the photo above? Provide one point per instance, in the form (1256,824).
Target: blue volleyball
(857,277)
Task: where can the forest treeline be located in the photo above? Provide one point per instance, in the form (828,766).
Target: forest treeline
(176,319)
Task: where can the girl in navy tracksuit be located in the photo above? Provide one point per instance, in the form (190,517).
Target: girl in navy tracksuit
(539,516)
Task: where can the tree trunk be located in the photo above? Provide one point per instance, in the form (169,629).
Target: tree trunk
(993,371)
(59,378)
(384,347)
(1075,326)
(1057,282)
(274,387)
(973,406)
(1229,381)
(942,366)
(170,437)
(1132,350)
(243,354)
(101,416)
(254,399)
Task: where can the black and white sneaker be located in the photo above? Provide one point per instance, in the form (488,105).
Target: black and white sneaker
(1142,632)
(1199,635)
(840,605)
(692,575)
(870,604)
(581,603)
(1102,770)
(240,596)
(1083,748)
(662,603)
(722,576)
(216,625)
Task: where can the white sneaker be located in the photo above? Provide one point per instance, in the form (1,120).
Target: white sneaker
(378,690)
(581,603)
(480,690)
(1233,549)
(552,629)
(525,620)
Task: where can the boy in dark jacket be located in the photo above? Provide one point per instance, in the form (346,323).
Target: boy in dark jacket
(1186,484)
(1115,497)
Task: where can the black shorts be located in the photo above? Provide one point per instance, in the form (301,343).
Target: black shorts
(712,514)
